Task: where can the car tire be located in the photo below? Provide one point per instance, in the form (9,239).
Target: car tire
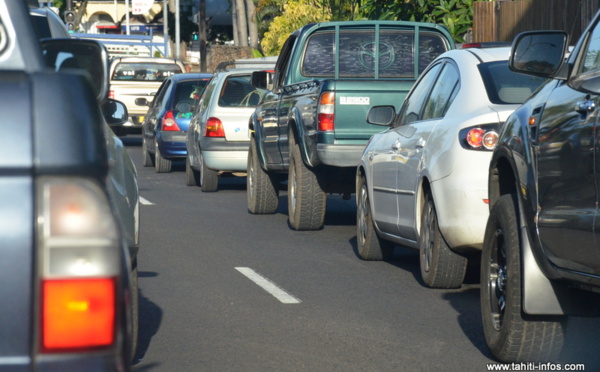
(192,176)
(370,246)
(511,335)
(440,266)
(261,188)
(147,158)
(161,164)
(209,179)
(306,199)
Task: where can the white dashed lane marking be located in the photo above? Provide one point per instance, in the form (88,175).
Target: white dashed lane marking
(268,286)
(145,201)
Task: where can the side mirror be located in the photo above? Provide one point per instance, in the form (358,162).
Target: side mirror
(88,57)
(381,115)
(262,79)
(115,112)
(141,102)
(539,53)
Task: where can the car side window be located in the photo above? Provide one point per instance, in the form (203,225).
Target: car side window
(444,90)
(592,53)
(208,92)
(161,93)
(413,105)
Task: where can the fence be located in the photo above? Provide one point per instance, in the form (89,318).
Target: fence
(502,20)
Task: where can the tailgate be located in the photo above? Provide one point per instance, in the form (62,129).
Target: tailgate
(128,93)
(235,122)
(16,227)
(353,99)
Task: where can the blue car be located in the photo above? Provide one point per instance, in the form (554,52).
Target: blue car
(166,123)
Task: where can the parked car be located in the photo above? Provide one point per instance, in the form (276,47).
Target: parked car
(68,288)
(138,77)
(422,183)
(166,123)
(217,138)
(540,261)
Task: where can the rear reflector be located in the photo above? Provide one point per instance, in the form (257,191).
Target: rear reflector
(78,313)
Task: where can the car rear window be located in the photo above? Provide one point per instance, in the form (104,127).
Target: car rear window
(145,71)
(238,92)
(189,91)
(357,53)
(506,87)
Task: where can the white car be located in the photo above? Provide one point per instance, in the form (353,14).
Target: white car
(423,183)
(217,137)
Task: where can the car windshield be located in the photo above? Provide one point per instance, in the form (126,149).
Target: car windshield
(145,71)
(506,87)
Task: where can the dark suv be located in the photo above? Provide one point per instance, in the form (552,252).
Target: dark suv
(68,289)
(541,253)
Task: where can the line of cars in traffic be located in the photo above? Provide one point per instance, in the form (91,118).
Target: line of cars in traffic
(491,157)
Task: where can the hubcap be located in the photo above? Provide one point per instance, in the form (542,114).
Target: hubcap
(498,280)
(292,187)
(251,179)
(428,239)
(363,210)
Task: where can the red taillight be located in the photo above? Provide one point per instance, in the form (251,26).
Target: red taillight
(111,94)
(478,138)
(475,137)
(169,123)
(78,313)
(214,128)
(326,112)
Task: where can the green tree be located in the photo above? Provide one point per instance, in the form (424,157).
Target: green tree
(456,15)
(296,13)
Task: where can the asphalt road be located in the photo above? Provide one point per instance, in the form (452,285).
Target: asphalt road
(224,290)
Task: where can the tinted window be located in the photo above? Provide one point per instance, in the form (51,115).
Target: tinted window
(358,53)
(189,91)
(504,86)
(444,91)
(411,109)
(145,71)
(41,26)
(237,91)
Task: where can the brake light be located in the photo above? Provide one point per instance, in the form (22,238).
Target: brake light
(326,112)
(214,128)
(78,313)
(79,251)
(111,94)
(169,123)
(484,137)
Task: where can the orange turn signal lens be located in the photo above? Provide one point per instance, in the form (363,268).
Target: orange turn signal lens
(78,313)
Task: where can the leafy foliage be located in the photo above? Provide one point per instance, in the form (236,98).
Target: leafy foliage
(456,15)
(296,13)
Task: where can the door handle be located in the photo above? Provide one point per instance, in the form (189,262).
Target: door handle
(420,143)
(396,146)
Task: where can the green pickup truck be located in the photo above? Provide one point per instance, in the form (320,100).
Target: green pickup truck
(311,125)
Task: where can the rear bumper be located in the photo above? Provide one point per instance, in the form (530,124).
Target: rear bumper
(172,144)
(340,155)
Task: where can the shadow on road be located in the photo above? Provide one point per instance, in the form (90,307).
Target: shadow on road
(150,317)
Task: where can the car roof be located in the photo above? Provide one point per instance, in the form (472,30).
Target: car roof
(190,76)
(482,54)
(145,60)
